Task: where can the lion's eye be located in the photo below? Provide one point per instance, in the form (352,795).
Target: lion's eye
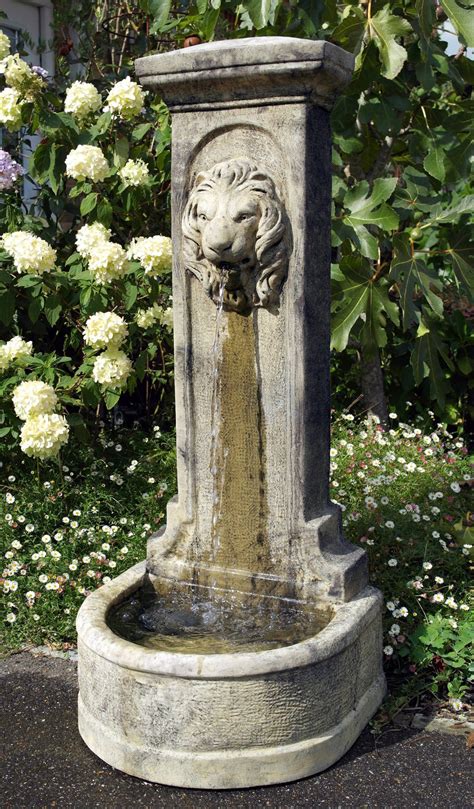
(242,217)
(202,217)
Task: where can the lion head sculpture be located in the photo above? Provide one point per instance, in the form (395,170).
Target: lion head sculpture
(235,236)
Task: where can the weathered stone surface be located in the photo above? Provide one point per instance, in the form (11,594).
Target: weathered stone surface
(229,72)
(227,720)
(263,422)
(253,511)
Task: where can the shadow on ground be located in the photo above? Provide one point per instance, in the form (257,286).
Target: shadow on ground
(46,764)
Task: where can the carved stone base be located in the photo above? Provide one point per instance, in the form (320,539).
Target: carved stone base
(226,721)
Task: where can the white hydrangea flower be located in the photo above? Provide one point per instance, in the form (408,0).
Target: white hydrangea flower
(145,318)
(43,436)
(18,347)
(4,45)
(154,253)
(30,253)
(126,99)
(107,261)
(105,330)
(135,172)
(82,99)
(89,237)
(4,361)
(112,368)
(166,318)
(87,163)
(10,109)
(20,76)
(33,398)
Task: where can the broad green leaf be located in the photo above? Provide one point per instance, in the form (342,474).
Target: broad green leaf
(52,309)
(35,308)
(7,306)
(121,151)
(104,212)
(461,250)
(384,217)
(259,12)
(460,12)
(368,244)
(349,33)
(425,362)
(443,215)
(425,15)
(88,203)
(434,163)
(140,131)
(382,190)
(356,274)
(111,398)
(209,22)
(160,10)
(413,277)
(343,321)
(382,28)
(131,292)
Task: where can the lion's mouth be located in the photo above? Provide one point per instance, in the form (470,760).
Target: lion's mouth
(232,272)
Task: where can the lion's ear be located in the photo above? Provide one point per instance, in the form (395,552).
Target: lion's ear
(203,175)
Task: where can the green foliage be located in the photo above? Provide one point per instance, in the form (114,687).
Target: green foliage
(402,154)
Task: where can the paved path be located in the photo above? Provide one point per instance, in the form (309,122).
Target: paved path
(45,763)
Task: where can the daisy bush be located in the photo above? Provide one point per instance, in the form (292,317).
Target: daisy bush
(406,498)
(71,530)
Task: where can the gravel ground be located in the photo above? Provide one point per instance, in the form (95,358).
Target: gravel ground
(46,764)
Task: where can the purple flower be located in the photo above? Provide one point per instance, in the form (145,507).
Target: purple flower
(40,71)
(10,170)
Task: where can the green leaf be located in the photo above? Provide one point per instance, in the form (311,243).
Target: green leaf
(461,250)
(382,28)
(259,12)
(7,306)
(434,163)
(367,210)
(111,398)
(35,308)
(121,151)
(131,292)
(104,212)
(88,203)
(413,277)
(425,15)
(460,12)
(140,131)
(52,309)
(425,363)
(442,215)
(160,10)
(350,31)
(356,274)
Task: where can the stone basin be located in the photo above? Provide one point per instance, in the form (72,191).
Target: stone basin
(222,721)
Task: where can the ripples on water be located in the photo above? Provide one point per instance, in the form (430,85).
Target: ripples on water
(205,621)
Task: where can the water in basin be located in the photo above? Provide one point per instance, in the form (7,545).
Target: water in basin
(202,620)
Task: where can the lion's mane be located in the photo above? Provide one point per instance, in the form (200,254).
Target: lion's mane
(270,247)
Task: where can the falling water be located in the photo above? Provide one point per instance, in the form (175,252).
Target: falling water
(218,456)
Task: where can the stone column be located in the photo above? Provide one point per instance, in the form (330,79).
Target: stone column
(251,185)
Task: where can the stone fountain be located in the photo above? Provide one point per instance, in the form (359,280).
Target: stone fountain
(252,534)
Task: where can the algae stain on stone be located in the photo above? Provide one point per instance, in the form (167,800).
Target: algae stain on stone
(240,540)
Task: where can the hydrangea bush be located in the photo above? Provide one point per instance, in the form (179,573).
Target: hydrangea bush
(85,295)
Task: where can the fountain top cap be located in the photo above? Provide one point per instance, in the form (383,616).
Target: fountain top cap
(271,67)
